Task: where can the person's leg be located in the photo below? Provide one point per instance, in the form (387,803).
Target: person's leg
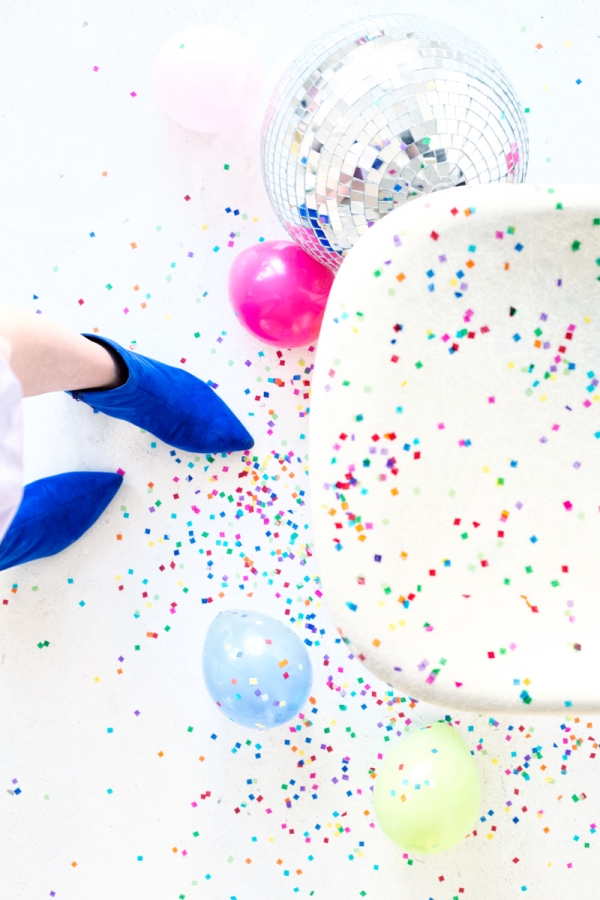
(170,403)
(46,356)
(4,349)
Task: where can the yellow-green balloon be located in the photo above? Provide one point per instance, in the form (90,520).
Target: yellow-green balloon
(427,791)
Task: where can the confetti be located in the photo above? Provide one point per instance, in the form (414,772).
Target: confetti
(191,535)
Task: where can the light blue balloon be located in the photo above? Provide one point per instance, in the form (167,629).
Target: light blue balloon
(256,669)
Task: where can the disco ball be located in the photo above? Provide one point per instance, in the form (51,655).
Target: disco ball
(379,112)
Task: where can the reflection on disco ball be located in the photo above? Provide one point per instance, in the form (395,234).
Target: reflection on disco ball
(376,113)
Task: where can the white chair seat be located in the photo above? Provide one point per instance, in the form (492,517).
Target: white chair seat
(455,448)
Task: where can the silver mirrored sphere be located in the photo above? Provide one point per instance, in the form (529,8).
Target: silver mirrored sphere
(376,113)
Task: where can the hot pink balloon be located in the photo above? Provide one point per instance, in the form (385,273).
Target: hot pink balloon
(279,293)
(208,78)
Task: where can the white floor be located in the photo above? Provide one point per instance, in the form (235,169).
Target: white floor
(81,768)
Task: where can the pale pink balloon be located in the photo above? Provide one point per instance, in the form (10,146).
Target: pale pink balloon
(279,293)
(208,78)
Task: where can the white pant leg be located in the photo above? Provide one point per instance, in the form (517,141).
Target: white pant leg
(11,445)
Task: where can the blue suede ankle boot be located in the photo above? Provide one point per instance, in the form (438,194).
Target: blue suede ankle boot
(54,513)
(171,404)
